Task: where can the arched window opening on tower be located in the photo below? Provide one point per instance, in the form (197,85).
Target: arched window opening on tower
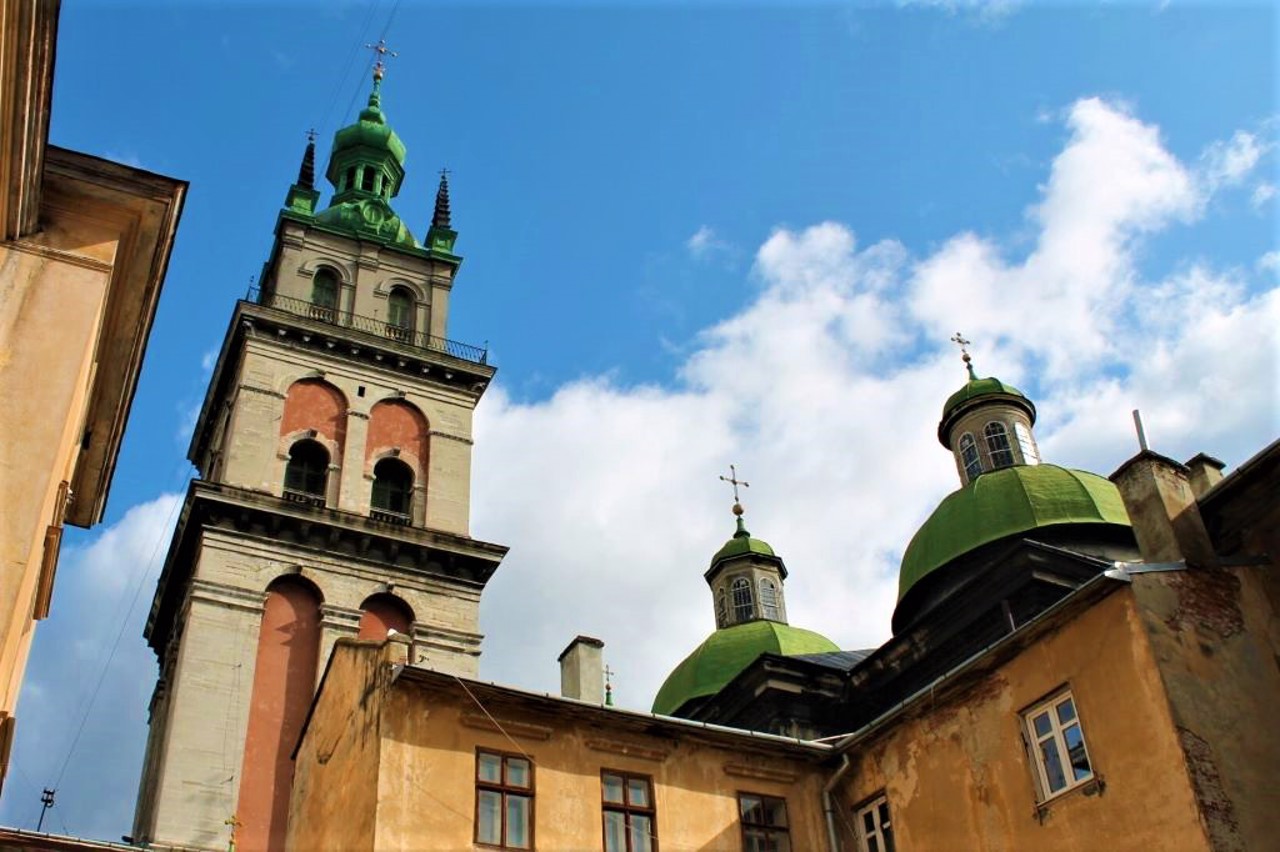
(307,473)
(350,182)
(324,295)
(743,605)
(769,600)
(722,609)
(392,498)
(366,179)
(400,313)
(998,445)
(969,456)
(1028,446)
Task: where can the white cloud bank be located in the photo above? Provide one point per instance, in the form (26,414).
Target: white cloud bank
(825,391)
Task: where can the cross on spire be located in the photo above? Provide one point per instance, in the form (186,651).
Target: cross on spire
(960,341)
(733,480)
(382,52)
(608,685)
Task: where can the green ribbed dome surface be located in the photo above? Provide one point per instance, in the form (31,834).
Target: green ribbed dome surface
(1003,503)
(975,388)
(727,652)
(741,545)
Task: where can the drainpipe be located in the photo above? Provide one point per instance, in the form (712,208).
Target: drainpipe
(828,808)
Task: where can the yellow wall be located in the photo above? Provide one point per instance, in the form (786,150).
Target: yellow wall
(959,769)
(53,290)
(426,770)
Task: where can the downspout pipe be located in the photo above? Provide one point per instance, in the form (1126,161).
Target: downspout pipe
(828,807)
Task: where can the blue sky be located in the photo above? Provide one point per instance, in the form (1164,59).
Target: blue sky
(695,236)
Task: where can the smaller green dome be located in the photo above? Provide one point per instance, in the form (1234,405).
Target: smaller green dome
(975,388)
(727,652)
(742,544)
(1003,503)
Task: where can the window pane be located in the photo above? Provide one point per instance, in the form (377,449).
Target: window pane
(615,839)
(751,810)
(873,845)
(489,768)
(780,843)
(641,828)
(638,792)
(775,812)
(1052,765)
(884,815)
(1075,752)
(488,816)
(518,821)
(1042,725)
(868,822)
(755,840)
(612,785)
(1066,712)
(517,772)
(887,835)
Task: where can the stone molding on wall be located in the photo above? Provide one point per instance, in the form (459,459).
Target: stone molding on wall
(228,596)
(524,730)
(628,749)
(760,773)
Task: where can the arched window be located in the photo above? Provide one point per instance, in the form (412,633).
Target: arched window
(969,455)
(350,182)
(399,313)
(769,600)
(998,445)
(722,610)
(382,613)
(1028,446)
(324,295)
(743,606)
(392,489)
(307,471)
(366,179)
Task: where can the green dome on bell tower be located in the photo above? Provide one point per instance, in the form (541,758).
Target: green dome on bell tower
(366,169)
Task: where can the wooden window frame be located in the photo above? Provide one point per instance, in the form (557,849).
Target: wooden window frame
(970,457)
(998,446)
(504,789)
(1049,705)
(770,831)
(747,606)
(627,809)
(883,838)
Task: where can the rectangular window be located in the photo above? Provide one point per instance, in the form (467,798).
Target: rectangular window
(1057,745)
(875,831)
(504,800)
(764,823)
(627,805)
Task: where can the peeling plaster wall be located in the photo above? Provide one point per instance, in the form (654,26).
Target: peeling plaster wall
(957,774)
(1216,638)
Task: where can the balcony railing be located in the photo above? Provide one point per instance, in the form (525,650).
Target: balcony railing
(369,325)
(304,497)
(390,517)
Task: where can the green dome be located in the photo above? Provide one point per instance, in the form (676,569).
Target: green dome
(975,388)
(742,544)
(371,131)
(727,652)
(1003,503)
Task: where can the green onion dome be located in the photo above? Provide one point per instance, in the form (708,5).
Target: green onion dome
(1009,502)
(727,652)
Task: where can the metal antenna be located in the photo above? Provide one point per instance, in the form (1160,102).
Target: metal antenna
(46,802)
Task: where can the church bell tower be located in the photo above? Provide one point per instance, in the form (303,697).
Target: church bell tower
(333,454)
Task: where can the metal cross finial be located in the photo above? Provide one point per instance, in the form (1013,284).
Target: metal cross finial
(733,480)
(608,685)
(311,136)
(960,341)
(381,49)
(234,823)
(444,173)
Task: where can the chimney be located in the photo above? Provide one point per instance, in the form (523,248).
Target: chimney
(1162,507)
(582,671)
(1205,472)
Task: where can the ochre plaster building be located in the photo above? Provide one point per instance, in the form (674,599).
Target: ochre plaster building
(85,245)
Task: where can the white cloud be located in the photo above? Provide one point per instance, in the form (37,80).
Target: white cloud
(706,243)
(1270,262)
(1262,193)
(983,11)
(1228,162)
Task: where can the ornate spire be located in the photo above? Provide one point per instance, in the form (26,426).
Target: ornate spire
(440,218)
(307,171)
(959,340)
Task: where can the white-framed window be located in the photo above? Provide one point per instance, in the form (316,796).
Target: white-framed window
(969,456)
(1057,745)
(1028,446)
(998,445)
(875,831)
(743,606)
(769,599)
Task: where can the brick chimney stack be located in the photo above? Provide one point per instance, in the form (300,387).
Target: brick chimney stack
(582,670)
